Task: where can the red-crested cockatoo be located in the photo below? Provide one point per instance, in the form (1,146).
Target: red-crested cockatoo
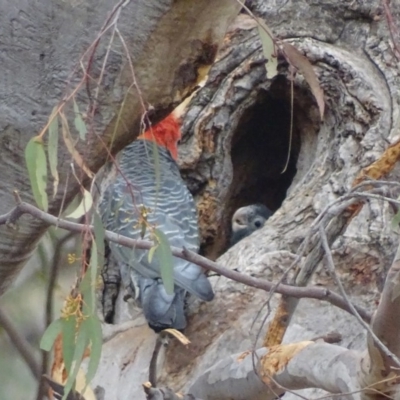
(148,192)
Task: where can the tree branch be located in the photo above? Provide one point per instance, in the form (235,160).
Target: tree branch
(317,293)
(333,272)
(288,304)
(294,366)
(49,305)
(386,323)
(21,344)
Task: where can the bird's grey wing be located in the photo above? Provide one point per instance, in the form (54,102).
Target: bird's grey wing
(174,214)
(170,208)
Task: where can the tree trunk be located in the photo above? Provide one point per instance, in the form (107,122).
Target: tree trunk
(117,60)
(235,146)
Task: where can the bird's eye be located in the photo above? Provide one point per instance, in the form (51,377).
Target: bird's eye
(257,224)
(237,221)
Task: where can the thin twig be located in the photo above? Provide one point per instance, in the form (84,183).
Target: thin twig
(154,359)
(111,21)
(21,344)
(49,304)
(333,209)
(291,120)
(392,28)
(332,271)
(293,291)
(263,26)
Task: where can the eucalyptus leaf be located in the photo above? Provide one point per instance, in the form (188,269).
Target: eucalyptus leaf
(36,163)
(164,255)
(50,335)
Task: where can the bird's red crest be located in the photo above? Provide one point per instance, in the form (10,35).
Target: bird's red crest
(166,133)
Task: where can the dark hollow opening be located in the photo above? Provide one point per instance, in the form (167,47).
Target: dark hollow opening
(261,145)
(260,149)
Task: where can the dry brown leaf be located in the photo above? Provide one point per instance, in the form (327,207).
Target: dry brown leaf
(147,385)
(59,372)
(278,357)
(301,62)
(180,336)
(71,147)
(80,383)
(58,363)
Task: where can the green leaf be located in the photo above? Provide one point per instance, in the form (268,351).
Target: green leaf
(96,339)
(79,123)
(52,149)
(84,206)
(269,50)
(164,254)
(50,335)
(36,163)
(68,340)
(82,342)
(70,144)
(87,292)
(151,253)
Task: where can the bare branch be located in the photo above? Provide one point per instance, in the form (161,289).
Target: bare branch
(21,344)
(294,366)
(393,31)
(154,359)
(298,292)
(49,304)
(288,304)
(333,272)
(386,321)
(164,394)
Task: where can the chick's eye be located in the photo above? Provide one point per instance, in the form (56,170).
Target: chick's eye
(257,224)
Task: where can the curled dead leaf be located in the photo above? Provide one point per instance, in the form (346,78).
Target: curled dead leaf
(298,60)
(147,385)
(180,336)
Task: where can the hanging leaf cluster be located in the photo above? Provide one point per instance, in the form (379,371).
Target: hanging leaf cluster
(35,154)
(79,325)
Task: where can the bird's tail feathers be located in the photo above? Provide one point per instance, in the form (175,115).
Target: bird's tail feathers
(161,309)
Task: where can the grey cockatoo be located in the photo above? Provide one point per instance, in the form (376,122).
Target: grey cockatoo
(248,219)
(148,192)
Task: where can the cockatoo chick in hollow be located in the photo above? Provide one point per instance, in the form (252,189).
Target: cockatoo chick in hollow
(149,192)
(248,219)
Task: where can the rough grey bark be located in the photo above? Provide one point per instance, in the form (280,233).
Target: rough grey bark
(41,49)
(233,152)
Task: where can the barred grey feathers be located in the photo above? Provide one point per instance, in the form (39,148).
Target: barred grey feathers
(150,180)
